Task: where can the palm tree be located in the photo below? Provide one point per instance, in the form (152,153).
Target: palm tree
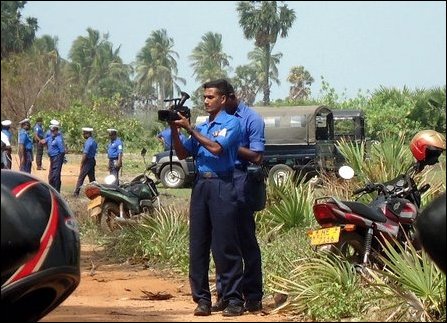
(259,62)
(264,21)
(156,66)
(209,60)
(301,81)
(83,53)
(97,68)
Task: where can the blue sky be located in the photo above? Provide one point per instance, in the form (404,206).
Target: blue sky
(353,45)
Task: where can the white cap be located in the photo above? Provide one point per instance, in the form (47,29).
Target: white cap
(54,122)
(87,129)
(112,130)
(6,122)
(24,121)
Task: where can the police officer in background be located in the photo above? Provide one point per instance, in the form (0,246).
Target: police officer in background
(88,161)
(39,134)
(56,152)
(213,207)
(25,146)
(115,154)
(165,138)
(7,150)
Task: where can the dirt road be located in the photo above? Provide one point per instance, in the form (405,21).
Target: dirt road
(111,292)
(130,293)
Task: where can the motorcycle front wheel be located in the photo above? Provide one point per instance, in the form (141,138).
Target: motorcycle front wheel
(107,221)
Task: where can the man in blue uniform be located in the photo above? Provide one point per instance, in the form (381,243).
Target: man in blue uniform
(250,152)
(56,152)
(165,138)
(25,146)
(213,207)
(115,154)
(88,161)
(7,150)
(39,134)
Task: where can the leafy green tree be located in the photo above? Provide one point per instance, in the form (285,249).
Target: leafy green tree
(301,81)
(264,21)
(17,35)
(156,67)
(209,62)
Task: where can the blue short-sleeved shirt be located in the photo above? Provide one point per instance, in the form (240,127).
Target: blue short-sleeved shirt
(25,139)
(226,130)
(39,131)
(166,135)
(252,128)
(90,147)
(55,145)
(115,148)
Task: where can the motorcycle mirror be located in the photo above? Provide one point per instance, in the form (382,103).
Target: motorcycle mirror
(346,172)
(109,179)
(143,152)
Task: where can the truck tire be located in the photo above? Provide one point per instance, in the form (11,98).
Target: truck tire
(279,174)
(174,179)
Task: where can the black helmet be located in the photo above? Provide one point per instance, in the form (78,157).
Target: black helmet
(40,248)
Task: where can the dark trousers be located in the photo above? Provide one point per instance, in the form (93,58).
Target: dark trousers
(213,213)
(113,170)
(54,174)
(39,154)
(7,158)
(28,162)
(87,169)
(251,253)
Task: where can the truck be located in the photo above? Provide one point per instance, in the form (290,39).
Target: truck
(300,141)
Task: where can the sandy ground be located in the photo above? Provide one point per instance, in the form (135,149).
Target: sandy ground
(130,293)
(111,292)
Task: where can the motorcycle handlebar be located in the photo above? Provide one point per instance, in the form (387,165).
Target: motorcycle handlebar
(370,187)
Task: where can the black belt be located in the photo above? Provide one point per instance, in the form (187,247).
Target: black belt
(209,175)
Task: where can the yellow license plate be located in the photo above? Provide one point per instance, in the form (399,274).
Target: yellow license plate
(95,202)
(324,236)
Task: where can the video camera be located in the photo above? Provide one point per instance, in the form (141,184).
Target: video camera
(171,113)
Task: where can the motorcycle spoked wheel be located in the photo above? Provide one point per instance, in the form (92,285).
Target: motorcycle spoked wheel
(107,220)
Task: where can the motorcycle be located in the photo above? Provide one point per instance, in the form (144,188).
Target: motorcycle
(115,205)
(358,230)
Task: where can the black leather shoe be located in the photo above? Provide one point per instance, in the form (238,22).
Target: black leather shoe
(253,306)
(202,309)
(219,306)
(233,310)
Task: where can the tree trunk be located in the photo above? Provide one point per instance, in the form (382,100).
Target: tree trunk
(266,86)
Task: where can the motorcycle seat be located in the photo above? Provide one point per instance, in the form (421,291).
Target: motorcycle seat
(118,189)
(373,214)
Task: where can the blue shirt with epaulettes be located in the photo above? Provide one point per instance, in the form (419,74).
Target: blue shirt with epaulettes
(115,148)
(25,140)
(225,130)
(55,144)
(90,147)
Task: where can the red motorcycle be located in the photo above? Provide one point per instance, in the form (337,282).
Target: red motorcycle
(355,229)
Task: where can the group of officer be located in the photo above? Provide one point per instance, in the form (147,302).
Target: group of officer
(54,141)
